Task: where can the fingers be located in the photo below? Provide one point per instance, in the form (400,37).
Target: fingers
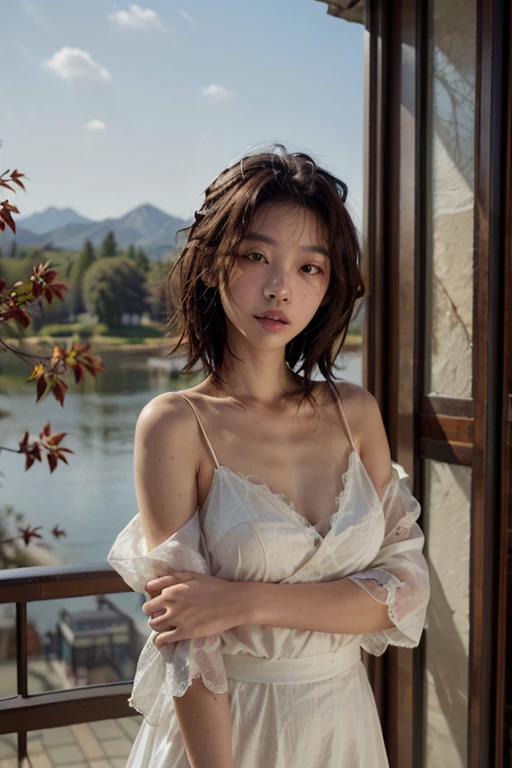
(164,638)
(150,607)
(156,614)
(158,607)
(155,586)
(161,600)
(160,620)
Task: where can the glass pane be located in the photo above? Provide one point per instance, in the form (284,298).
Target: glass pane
(450,199)
(93,497)
(8,668)
(85,641)
(349,162)
(8,750)
(104,744)
(447,525)
(350,360)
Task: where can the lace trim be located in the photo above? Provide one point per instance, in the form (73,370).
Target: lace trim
(390,586)
(403,634)
(180,690)
(285,501)
(167,672)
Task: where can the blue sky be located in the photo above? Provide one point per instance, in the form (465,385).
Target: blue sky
(109,105)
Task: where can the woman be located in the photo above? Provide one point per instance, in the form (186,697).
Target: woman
(274,537)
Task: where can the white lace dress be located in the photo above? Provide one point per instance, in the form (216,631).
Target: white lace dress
(298,698)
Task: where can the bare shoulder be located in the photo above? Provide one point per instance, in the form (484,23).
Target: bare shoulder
(167,415)
(365,421)
(360,406)
(354,393)
(166,451)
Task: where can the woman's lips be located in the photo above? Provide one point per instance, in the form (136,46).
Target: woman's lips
(271,325)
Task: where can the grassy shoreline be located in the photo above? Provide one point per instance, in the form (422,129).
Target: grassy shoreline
(149,345)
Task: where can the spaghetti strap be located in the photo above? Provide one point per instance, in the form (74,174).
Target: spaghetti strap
(202,428)
(343,416)
(347,426)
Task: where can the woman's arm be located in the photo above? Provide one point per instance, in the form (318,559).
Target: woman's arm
(338,606)
(205,724)
(165,465)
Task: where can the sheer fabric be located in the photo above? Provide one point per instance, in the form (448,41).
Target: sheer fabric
(398,576)
(247,532)
(166,672)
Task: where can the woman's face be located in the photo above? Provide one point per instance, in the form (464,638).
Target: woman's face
(283,265)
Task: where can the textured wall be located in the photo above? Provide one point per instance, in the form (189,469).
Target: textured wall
(451,169)
(448,494)
(449,372)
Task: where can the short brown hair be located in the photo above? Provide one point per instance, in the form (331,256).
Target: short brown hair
(230,203)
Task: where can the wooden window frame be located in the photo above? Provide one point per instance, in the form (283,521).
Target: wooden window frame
(468,432)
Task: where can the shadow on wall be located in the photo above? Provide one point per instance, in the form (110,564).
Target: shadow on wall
(448,665)
(447,528)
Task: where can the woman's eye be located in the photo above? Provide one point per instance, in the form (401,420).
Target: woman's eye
(257,258)
(248,256)
(314,267)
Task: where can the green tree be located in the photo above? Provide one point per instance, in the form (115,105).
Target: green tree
(113,286)
(139,257)
(142,260)
(84,261)
(108,246)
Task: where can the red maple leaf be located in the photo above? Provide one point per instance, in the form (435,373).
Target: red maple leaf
(47,442)
(29,533)
(58,532)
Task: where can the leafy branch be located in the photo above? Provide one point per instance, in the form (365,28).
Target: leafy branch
(48,371)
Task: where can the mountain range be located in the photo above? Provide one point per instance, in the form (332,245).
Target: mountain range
(51,218)
(65,229)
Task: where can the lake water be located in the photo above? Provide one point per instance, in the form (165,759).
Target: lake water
(94,496)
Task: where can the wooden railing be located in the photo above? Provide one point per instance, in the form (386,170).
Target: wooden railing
(24,712)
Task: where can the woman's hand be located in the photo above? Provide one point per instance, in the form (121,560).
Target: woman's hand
(186,604)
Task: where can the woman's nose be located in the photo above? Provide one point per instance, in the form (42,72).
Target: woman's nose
(277,288)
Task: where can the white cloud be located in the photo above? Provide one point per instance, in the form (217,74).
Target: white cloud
(74,64)
(96,125)
(137,18)
(188,18)
(217,93)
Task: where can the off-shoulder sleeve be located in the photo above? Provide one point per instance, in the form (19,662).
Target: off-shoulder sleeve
(168,671)
(398,576)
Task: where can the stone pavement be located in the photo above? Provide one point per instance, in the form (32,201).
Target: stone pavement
(104,744)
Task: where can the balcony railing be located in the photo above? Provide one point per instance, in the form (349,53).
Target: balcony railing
(24,712)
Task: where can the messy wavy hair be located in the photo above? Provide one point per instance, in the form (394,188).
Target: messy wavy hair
(219,226)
